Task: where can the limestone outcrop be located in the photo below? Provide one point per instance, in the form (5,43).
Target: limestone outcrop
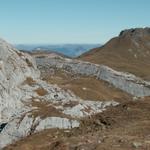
(29,105)
(124,81)
(15,67)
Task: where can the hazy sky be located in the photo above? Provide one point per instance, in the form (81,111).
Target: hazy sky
(70,21)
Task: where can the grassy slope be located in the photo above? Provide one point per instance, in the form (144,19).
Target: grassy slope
(122,53)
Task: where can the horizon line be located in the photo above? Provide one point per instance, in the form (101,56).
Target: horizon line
(57,43)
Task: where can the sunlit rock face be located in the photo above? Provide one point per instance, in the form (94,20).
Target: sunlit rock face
(15,67)
(124,81)
(29,105)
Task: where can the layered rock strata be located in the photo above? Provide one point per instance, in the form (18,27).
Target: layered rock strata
(122,80)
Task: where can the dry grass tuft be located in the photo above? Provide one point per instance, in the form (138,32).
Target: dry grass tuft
(29,63)
(29,81)
(41,91)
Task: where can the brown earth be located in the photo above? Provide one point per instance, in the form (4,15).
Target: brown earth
(125,127)
(44,110)
(87,88)
(129,52)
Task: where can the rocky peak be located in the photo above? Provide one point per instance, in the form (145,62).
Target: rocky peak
(135,32)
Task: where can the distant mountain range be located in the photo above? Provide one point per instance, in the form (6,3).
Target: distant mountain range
(71,50)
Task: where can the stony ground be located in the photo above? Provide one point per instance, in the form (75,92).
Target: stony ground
(125,127)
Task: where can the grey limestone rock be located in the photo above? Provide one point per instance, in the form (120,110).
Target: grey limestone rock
(124,81)
(19,82)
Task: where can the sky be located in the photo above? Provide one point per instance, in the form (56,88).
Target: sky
(69,21)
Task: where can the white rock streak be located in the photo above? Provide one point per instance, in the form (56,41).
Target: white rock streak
(124,81)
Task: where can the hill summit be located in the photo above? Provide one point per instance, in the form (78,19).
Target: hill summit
(130,52)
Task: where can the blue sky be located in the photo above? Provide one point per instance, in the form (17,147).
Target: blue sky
(69,21)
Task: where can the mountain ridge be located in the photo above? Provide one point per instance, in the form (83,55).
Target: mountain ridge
(71,50)
(130,52)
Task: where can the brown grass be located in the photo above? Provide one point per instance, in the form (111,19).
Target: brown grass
(20,54)
(41,91)
(95,89)
(71,104)
(29,81)
(29,63)
(45,109)
(115,129)
(119,53)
